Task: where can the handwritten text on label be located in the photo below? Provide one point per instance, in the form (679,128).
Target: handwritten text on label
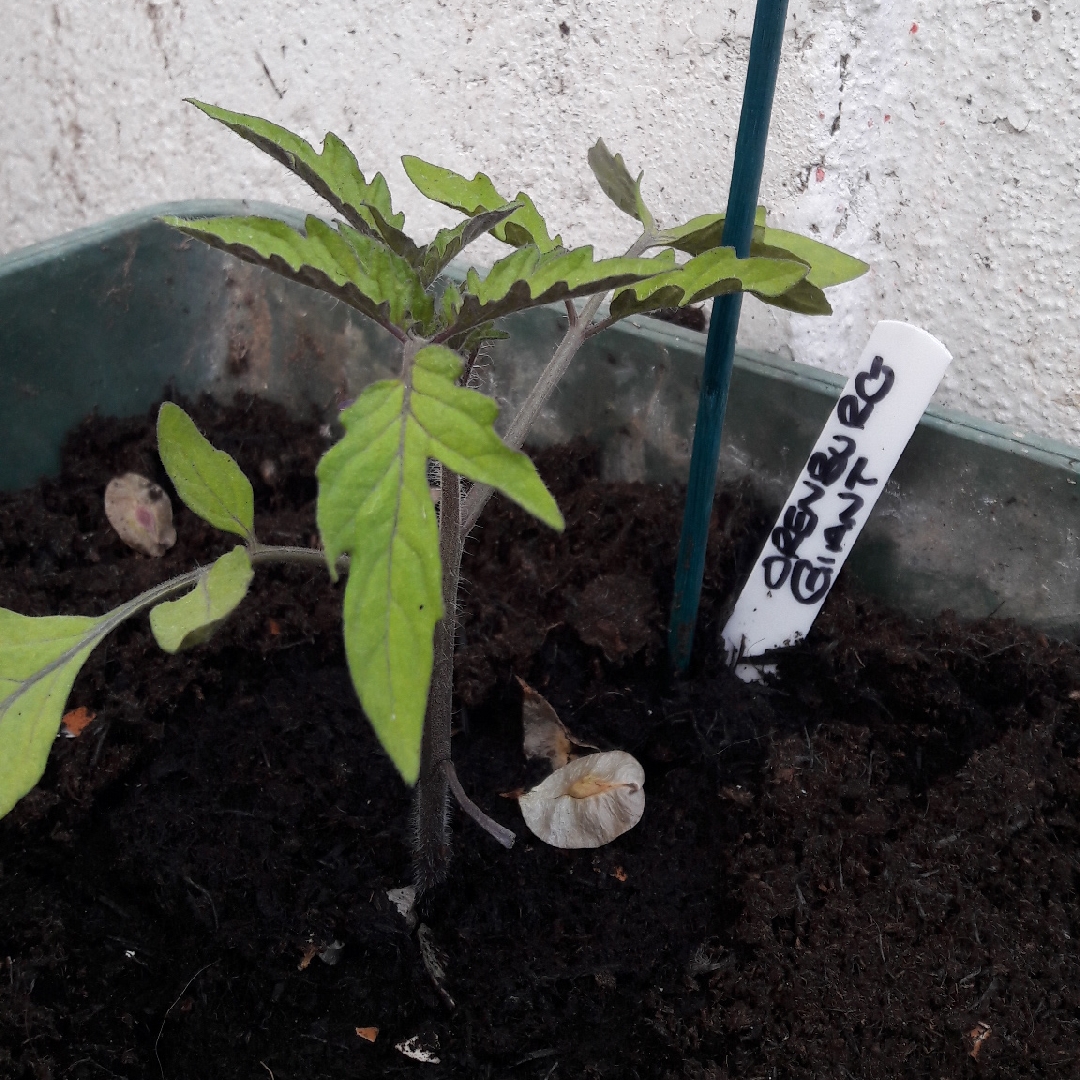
(839,485)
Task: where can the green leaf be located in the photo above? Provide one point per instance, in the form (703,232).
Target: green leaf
(191,620)
(450,303)
(618,185)
(449,243)
(707,231)
(39,660)
(803,299)
(332,173)
(460,427)
(475,196)
(374,502)
(828,266)
(389,279)
(698,235)
(470,341)
(347,264)
(208,480)
(526,279)
(713,273)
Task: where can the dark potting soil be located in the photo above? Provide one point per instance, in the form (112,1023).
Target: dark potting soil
(867,870)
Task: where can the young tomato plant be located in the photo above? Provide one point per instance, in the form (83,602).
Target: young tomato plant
(376,516)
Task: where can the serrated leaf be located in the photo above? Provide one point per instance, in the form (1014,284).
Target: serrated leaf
(618,185)
(527,279)
(191,620)
(698,235)
(39,660)
(469,342)
(375,503)
(459,423)
(450,303)
(828,266)
(347,264)
(449,243)
(707,231)
(713,273)
(332,173)
(209,481)
(389,279)
(803,299)
(475,196)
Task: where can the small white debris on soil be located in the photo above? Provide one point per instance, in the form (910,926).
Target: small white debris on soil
(141,514)
(404,899)
(587,803)
(413,1048)
(332,953)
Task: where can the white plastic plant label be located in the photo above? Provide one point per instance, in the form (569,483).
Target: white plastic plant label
(856,453)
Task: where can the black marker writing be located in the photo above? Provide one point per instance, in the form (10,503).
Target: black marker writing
(828,468)
(856,475)
(834,536)
(810,583)
(853,410)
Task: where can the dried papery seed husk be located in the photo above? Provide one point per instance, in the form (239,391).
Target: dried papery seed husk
(141,514)
(587,803)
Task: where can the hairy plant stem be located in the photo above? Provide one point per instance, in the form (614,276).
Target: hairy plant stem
(431,837)
(270,553)
(431,851)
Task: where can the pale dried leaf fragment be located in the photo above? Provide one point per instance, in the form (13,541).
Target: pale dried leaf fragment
(587,803)
(544,734)
(332,953)
(141,514)
(404,899)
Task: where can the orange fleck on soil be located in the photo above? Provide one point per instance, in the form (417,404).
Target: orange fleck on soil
(76,721)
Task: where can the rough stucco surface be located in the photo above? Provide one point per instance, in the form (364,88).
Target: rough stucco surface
(936,141)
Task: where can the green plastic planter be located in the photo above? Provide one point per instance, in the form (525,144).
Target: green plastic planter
(975,517)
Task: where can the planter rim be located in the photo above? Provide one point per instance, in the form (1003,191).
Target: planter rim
(989,433)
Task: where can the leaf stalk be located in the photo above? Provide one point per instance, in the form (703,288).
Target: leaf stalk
(577,333)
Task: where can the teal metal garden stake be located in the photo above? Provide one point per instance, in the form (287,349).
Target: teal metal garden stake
(765,45)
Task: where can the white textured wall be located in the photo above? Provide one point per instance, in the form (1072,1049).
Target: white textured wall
(937,141)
